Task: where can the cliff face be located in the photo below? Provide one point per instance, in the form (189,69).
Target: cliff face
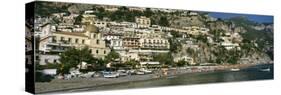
(179,22)
(251,48)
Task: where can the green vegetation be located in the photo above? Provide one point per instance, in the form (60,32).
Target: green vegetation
(46,8)
(176,34)
(262,37)
(112,56)
(164,58)
(132,63)
(182,63)
(202,38)
(73,57)
(163,21)
(217,34)
(226,56)
(175,45)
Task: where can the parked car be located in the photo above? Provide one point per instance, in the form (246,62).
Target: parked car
(122,72)
(140,72)
(110,74)
(75,73)
(87,75)
(131,72)
(145,71)
(67,76)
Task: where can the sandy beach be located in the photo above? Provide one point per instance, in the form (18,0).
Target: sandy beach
(75,83)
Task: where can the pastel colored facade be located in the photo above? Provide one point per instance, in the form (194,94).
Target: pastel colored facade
(154,43)
(143,22)
(90,38)
(131,42)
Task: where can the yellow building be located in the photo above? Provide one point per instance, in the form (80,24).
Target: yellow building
(91,37)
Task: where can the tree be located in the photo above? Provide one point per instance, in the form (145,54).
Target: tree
(164,58)
(148,12)
(78,19)
(163,21)
(112,56)
(73,57)
(182,63)
(175,45)
(202,38)
(132,63)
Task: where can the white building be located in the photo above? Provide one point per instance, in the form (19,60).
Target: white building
(116,44)
(229,45)
(48,59)
(127,56)
(154,43)
(44,30)
(100,24)
(185,58)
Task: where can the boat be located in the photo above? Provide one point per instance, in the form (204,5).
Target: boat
(110,74)
(234,69)
(265,70)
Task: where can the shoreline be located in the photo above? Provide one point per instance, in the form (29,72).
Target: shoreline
(77,84)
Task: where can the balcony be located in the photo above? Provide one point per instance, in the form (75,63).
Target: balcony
(64,44)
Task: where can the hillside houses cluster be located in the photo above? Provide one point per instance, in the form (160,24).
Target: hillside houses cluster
(137,40)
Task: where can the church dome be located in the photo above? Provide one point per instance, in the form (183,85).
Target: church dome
(91,28)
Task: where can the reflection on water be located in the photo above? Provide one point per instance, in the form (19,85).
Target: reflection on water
(252,73)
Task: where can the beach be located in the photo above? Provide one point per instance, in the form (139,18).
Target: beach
(79,83)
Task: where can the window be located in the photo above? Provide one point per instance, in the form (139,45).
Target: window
(69,40)
(95,35)
(61,38)
(76,40)
(83,41)
(98,41)
(90,50)
(54,39)
(97,51)
(46,61)
(104,51)
(55,61)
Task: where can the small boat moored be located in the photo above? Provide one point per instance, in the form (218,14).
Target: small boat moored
(234,69)
(265,70)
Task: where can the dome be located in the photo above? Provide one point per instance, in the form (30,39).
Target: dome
(91,28)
